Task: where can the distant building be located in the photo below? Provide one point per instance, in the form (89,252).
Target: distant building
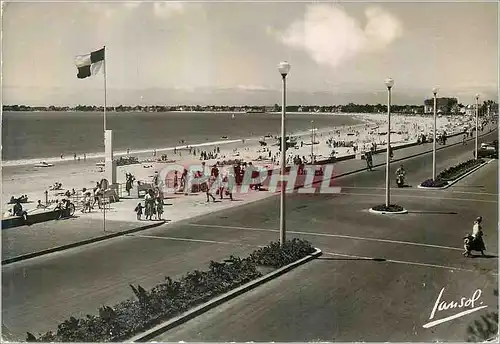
(443,105)
(470,110)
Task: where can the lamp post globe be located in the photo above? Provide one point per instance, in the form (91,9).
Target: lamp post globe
(389,82)
(435,90)
(284,68)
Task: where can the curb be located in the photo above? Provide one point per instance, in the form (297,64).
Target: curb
(404,211)
(79,243)
(188,315)
(405,158)
(450,183)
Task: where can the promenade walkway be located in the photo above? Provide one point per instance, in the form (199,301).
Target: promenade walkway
(120,217)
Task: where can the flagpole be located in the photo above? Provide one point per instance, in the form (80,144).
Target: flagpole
(105,105)
(104,88)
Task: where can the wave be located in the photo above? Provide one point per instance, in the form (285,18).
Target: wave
(90,156)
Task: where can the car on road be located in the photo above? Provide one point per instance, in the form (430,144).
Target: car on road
(488,150)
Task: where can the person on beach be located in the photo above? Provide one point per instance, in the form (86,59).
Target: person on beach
(40,205)
(19,211)
(138,210)
(74,156)
(86,203)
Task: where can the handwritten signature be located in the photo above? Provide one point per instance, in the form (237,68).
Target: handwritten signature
(472,303)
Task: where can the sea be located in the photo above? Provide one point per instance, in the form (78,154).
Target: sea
(30,137)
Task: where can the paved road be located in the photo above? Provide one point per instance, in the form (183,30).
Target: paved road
(343,296)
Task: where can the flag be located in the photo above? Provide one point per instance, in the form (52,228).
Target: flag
(89,64)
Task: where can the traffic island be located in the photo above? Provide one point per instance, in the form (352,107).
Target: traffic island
(171,303)
(391,209)
(452,175)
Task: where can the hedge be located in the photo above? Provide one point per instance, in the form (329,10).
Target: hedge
(171,298)
(452,173)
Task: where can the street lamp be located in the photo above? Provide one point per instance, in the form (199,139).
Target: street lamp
(434,91)
(283,68)
(389,83)
(477,122)
(312,142)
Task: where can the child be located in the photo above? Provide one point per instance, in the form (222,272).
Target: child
(138,210)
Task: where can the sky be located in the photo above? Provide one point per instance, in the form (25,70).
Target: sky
(226,53)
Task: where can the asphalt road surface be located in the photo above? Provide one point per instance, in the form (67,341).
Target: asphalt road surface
(378,279)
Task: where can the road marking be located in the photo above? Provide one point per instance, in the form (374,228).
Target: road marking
(458,315)
(191,240)
(406,263)
(330,235)
(420,190)
(327,253)
(424,197)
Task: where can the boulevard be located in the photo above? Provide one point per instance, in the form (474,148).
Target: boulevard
(377,280)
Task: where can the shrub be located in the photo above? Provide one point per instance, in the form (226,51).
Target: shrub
(272,255)
(391,208)
(429,183)
(171,298)
(454,171)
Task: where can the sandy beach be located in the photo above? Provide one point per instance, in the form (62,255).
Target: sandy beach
(33,182)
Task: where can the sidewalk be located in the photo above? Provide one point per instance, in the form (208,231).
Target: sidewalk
(121,217)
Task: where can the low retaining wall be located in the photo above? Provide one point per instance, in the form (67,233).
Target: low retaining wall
(16,221)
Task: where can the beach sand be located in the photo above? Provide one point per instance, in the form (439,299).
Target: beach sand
(32,181)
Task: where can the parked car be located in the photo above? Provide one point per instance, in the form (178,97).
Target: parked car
(488,150)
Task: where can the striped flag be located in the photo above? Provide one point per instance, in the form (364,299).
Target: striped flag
(89,64)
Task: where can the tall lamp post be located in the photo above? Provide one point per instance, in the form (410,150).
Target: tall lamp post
(389,83)
(434,91)
(312,142)
(477,126)
(283,68)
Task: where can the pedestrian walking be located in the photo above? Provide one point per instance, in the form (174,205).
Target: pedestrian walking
(176,182)
(159,208)
(209,194)
(138,210)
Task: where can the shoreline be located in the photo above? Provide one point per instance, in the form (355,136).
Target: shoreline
(143,151)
